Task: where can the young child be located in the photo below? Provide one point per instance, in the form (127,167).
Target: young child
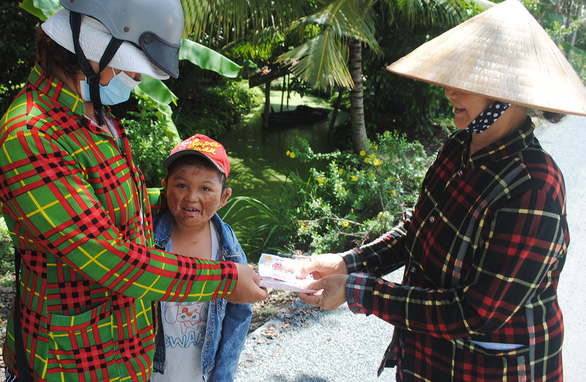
(198,341)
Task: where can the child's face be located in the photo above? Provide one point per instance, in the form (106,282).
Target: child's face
(194,194)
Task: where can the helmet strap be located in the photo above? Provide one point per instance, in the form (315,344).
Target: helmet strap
(93,78)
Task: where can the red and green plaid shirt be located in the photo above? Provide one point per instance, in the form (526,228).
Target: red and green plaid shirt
(483,252)
(79,216)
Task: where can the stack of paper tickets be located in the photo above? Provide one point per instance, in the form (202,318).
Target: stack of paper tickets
(281,273)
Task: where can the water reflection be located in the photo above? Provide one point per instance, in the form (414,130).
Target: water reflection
(259,164)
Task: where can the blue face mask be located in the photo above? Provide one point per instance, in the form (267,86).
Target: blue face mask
(117,91)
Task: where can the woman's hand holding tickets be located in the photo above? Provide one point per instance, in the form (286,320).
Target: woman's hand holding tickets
(247,289)
(323,265)
(331,274)
(332,292)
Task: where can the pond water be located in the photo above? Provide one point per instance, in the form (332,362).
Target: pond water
(259,164)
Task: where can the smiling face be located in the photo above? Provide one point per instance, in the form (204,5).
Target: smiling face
(194,194)
(466,106)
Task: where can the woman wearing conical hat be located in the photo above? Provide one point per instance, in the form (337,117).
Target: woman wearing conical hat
(485,244)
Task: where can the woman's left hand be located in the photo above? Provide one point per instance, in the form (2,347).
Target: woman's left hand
(332,292)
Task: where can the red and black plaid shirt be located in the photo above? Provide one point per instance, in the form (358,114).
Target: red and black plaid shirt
(483,252)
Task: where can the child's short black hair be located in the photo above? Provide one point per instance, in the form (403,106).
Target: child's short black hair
(197,161)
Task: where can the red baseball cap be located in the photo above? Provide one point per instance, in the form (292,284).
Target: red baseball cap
(202,145)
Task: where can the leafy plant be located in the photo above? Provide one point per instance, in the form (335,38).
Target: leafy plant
(18,50)
(346,200)
(148,141)
(356,197)
(260,226)
(220,103)
(6,256)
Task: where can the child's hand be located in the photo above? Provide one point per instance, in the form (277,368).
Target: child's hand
(247,289)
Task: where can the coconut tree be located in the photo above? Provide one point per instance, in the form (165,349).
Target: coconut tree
(333,58)
(331,35)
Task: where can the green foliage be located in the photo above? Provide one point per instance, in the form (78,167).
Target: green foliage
(356,197)
(578,61)
(565,22)
(347,199)
(208,59)
(148,142)
(323,60)
(393,101)
(262,226)
(6,256)
(212,108)
(17,45)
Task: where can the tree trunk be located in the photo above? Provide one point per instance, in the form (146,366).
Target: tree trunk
(265,114)
(359,138)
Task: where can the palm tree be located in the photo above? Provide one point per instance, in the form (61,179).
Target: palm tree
(334,57)
(330,58)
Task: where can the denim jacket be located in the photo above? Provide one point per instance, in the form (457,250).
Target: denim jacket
(227,323)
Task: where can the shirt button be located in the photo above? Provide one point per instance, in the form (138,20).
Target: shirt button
(460,173)
(432,219)
(413,270)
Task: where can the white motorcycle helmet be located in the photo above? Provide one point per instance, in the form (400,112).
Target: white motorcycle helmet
(154,26)
(148,34)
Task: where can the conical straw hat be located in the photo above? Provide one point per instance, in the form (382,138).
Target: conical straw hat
(503,54)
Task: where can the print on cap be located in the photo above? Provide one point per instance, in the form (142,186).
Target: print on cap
(201,145)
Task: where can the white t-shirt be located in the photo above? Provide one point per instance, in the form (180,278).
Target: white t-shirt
(185,324)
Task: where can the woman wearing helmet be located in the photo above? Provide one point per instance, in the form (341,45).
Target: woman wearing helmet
(486,242)
(77,208)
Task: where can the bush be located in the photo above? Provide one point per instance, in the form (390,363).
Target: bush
(148,143)
(6,256)
(357,197)
(18,49)
(210,104)
(261,226)
(348,200)
(396,102)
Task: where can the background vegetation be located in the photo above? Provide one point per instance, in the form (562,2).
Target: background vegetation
(348,197)
(353,199)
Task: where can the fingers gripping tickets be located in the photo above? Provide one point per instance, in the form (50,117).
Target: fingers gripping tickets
(332,292)
(247,289)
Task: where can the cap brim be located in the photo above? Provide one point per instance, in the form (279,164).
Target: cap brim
(173,157)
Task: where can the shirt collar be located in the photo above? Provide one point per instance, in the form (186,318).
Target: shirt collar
(504,148)
(56,89)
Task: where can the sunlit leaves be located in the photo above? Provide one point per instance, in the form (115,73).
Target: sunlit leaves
(322,61)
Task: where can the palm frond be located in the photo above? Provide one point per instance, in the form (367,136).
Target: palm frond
(427,13)
(322,61)
(229,20)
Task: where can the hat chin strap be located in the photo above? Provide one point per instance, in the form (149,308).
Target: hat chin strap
(488,117)
(93,78)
